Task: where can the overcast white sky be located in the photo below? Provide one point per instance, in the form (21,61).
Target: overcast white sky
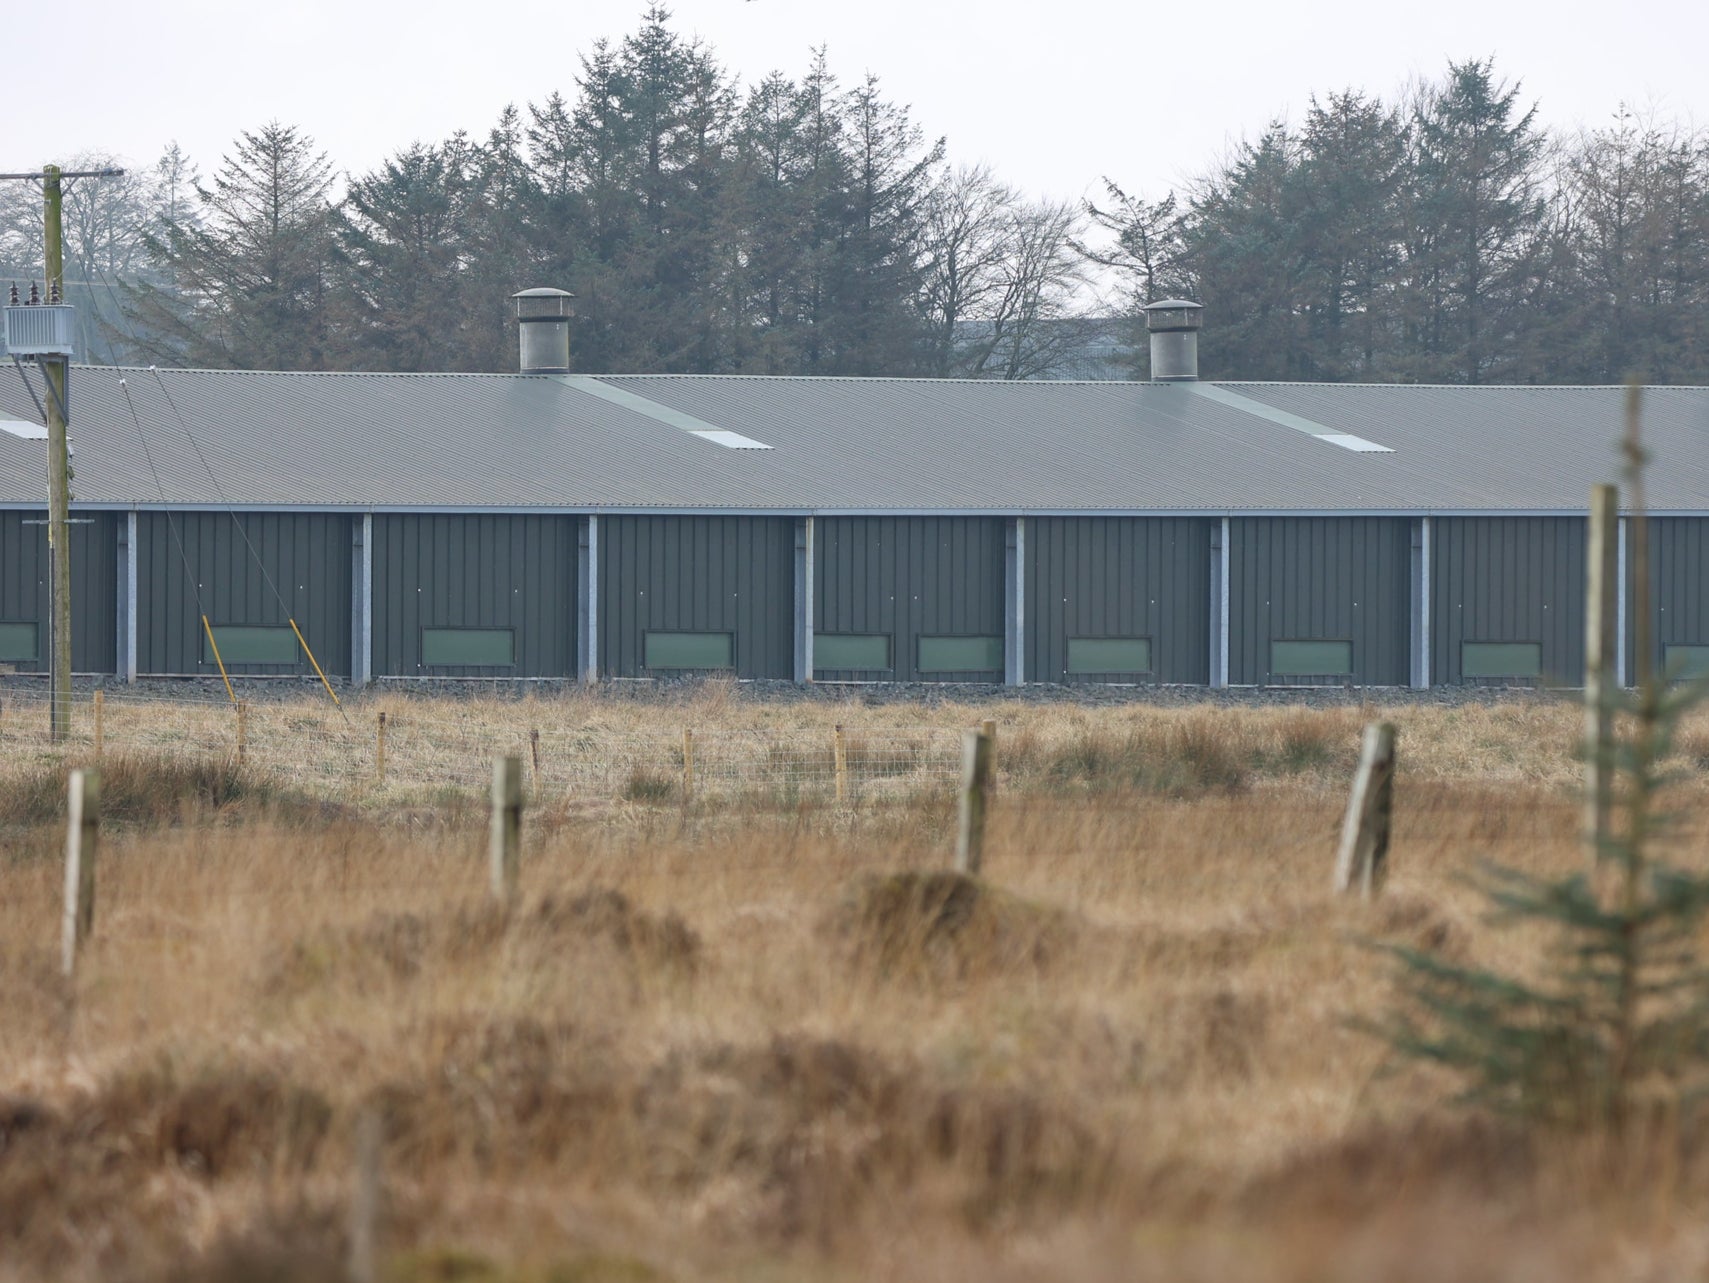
(1053,94)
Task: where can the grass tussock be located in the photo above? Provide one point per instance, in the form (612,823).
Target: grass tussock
(138,790)
(1180,759)
(396,948)
(901,926)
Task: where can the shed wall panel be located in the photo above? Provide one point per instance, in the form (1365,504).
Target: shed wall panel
(24,586)
(1320,579)
(1119,577)
(1679,587)
(731,575)
(908,578)
(255,568)
(438,570)
(1508,579)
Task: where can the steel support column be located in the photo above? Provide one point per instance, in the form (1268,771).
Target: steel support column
(125,653)
(804,599)
(362,600)
(1015,602)
(587,609)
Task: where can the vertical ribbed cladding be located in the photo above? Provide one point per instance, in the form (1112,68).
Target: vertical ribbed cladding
(543,325)
(1174,328)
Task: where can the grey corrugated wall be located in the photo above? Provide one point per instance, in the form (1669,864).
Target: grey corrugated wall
(475,571)
(698,574)
(1320,579)
(1508,579)
(908,577)
(1119,577)
(94,587)
(1679,588)
(307,554)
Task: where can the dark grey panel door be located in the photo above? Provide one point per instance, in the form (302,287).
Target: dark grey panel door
(1679,589)
(1319,599)
(1507,593)
(24,591)
(697,594)
(932,585)
(475,595)
(251,573)
(1122,579)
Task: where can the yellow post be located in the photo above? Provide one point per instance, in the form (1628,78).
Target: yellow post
(303,642)
(242,729)
(215,647)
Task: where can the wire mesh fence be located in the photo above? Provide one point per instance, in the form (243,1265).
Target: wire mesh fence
(400,755)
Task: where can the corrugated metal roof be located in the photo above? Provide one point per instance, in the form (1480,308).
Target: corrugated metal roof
(845,445)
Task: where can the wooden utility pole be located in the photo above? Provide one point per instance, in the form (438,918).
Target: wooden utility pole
(1601,612)
(55,370)
(58,470)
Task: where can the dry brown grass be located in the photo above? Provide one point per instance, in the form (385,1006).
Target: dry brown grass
(778,1043)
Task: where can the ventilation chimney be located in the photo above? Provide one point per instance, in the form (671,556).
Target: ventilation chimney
(1174,328)
(543,321)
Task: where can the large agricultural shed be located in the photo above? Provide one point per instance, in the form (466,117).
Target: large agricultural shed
(556,525)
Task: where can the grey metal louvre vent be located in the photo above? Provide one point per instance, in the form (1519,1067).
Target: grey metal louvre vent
(43,330)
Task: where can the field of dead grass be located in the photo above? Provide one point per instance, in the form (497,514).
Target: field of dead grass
(778,1042)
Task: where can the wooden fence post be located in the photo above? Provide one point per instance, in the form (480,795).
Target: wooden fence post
(1601,613)
(840,762)
(534,753)
(990,728)
(975,792)
(100,722)
(505,843)
(242,729)
(688,766)
(1361,861)
(82,835)
(380,748)
(365,1198)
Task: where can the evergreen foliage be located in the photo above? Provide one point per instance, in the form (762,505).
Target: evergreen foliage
(1612,1021)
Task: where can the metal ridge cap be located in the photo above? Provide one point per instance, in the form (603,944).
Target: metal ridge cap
(1458,387)
(879,378)
(309,374)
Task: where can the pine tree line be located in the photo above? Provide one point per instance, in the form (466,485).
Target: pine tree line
(1445,238)
(804,226)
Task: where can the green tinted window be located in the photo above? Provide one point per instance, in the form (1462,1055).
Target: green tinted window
(961,654)
(869,651)
(1109,654)
(690,650)
(468,647)
(1683,663)
(17,641)
(251,644)
(1501,659)
(1311,658)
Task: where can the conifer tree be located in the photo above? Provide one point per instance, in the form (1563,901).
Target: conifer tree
(251,275)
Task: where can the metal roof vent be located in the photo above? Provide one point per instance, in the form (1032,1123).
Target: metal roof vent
(543,321)
(40,329)
(1174,327)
